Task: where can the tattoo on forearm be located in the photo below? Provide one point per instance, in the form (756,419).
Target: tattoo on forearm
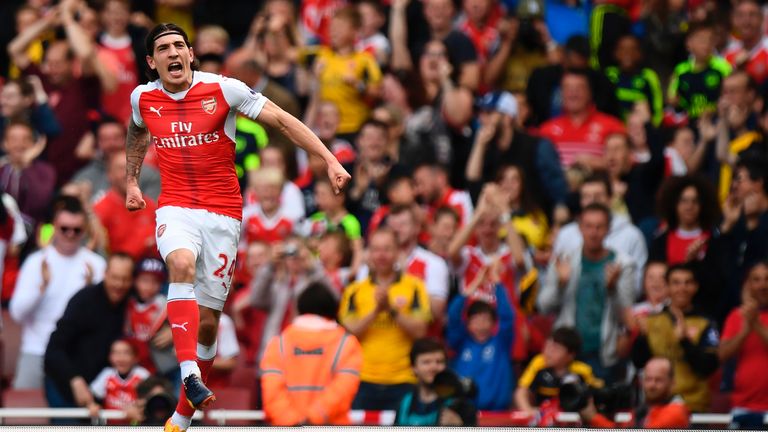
(136,144)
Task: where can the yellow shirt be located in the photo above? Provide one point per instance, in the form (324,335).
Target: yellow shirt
(386,346)
(359,66)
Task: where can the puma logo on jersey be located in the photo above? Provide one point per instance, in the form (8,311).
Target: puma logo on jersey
(156,110)
(182,326)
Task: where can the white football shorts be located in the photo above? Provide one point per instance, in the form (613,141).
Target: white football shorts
(212,237)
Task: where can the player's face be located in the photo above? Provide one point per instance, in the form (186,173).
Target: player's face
(121,357)
(172,60)
(428,365)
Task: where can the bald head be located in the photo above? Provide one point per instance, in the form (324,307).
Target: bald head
(658,379)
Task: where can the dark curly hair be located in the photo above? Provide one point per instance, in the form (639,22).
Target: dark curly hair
(671,191)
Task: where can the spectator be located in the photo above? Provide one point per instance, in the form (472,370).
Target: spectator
(545,92)
(274,41)
(684,335)
(334,251)
(579,132)
(370,171)
(242,65)
(370,37)
(434,190)
(281,159)
(481,335)
(696,83)
(74,96)
(422,406)
(333,216)
(592,291)
(387,311)
(130,232)
(498,143)
(439,16)
(661,408)
(439,110)
(346,76)
(419,262)
(301,387)
(690,210)
(748,50)
(47,280)
(525,215)
(539,386)
(635,83)
(28,180)
(115,386)
(745,339)
(622,237)
(145,319)
(79,348)
(738,135)
(267,220)
(25,100)
(514,264)
(655,290)
(121,49)
(212,39)
(399,190)
(744,228)
(441,232)
(277,285)
(110,139)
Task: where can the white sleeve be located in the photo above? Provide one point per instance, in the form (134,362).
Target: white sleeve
(226,341)
(19,235)
(99,384)
(135,112)
(242,98)
(27,295)
(436,278)
(99,266)
(465,202)
(362,272)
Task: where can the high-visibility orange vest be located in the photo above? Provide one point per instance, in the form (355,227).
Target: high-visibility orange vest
(310,373)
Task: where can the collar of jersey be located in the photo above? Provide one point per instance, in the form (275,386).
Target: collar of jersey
(178,95)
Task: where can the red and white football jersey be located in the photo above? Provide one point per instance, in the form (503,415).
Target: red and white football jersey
(143,320)
(458,200)
(117,392)
(194,134)
(259,227)
(756,60)
(473,259)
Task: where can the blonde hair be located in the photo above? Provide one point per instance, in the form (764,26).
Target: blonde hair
(266,176)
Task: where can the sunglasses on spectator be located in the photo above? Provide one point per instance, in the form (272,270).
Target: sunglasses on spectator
(70,229)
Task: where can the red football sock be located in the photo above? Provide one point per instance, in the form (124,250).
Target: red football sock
(205,368)
(184,317)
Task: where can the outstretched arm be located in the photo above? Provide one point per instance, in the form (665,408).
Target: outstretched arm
(136,144)
(301,135)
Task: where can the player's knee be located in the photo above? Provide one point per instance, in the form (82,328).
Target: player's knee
(207,331)
(181,266)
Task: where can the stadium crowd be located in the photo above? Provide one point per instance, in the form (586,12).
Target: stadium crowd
(543,192)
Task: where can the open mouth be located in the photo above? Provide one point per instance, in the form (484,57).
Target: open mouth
(176,69)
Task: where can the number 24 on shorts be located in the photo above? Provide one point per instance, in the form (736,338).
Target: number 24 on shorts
(219,273)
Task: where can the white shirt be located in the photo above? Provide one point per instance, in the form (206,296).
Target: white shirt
(292,201)
(226,340)
(37,312)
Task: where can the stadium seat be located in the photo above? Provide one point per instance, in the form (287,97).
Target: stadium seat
(232,399)
(25,399)
(11,335)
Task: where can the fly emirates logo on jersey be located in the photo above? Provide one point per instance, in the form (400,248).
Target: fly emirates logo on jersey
(182,134)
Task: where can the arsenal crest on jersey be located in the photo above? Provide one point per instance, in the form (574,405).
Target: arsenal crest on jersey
(209,105)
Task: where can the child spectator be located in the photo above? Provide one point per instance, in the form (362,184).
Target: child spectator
(334,252)
(346,76)
(635,83)
(421,407)
(266,220)
(483,339)
(146,317)
(371,39)
(545,373)
(695,84)
(333,216)
(116,385)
